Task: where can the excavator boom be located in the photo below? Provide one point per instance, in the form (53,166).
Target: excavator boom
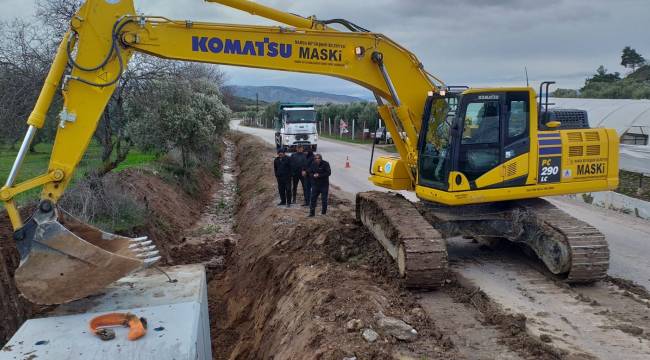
(443,159)
(90,60)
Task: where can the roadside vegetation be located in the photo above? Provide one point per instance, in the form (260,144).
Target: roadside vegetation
(612,85)
(330,117)
(164,116)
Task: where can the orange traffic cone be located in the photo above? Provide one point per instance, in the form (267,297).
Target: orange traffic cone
(347,162)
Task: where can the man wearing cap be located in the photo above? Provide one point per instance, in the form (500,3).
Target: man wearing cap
(282,168)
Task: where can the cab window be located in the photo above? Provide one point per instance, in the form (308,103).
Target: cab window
(435,154)
(481,125)
(517,117)
(481,141)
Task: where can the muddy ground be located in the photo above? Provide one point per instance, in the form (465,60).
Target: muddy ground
(294,283)
(298,287)
(285,286)
(14,309)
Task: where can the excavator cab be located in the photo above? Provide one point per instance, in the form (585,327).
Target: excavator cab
(500,144)
(486,129)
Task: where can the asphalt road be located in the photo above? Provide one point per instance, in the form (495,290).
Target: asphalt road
(351,180)
(629,237)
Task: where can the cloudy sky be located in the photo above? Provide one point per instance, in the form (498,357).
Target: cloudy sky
(463,42)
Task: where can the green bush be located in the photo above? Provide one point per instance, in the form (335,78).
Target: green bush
(102,201)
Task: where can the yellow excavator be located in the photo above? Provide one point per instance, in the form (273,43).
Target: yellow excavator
(478,159)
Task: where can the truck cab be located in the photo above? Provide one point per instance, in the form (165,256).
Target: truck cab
(295,126)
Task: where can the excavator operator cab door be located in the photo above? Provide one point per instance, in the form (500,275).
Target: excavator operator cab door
(479,145)
(434,143)
(493,129)
(465,147)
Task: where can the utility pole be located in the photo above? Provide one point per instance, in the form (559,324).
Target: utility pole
(353,121)
(363,131)
(257,107)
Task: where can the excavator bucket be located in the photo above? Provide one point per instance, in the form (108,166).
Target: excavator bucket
(64,259)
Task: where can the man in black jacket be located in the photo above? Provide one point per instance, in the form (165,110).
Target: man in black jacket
(298,162)
(309,158)
(282,168)
(319,173)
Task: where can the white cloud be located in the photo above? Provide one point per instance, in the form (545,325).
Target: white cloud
(475,42)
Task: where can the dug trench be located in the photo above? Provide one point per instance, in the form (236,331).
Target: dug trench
(289,287)
(285,286)
(294,287)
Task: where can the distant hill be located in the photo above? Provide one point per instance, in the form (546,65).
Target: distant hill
(289,94)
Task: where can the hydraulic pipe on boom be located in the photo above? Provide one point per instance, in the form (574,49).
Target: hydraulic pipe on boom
(272,14)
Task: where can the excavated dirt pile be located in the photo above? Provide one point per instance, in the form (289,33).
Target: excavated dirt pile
(14,309)
(301,288)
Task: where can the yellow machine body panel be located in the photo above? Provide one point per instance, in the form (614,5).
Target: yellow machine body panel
(392,173)
(554,162)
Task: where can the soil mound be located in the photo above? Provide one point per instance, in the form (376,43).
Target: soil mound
(302,288)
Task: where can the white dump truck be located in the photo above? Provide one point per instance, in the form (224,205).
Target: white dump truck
(296,125)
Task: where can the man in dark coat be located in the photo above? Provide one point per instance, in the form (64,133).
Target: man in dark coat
(309,158)
(319,173)
(298,162)
(282,168)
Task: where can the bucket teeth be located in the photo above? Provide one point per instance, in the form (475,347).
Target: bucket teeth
(151,261)
(149,254)
(144,249)
(139,239)
(139,244)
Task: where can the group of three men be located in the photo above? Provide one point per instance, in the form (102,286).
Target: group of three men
(308,169)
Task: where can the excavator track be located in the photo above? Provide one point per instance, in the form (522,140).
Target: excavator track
(571,249)
(589,252)
(418,249)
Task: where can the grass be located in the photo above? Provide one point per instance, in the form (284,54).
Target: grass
(135,158)
(36,164)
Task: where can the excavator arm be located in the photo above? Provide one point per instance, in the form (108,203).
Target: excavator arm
(104,35)
(92,56)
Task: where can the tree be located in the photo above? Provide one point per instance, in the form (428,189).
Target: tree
(135,82)
(369,115)
(178,114)
(56,15)
(601,76)
(631,59)
(25,56)
(565,93)
(269,115)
